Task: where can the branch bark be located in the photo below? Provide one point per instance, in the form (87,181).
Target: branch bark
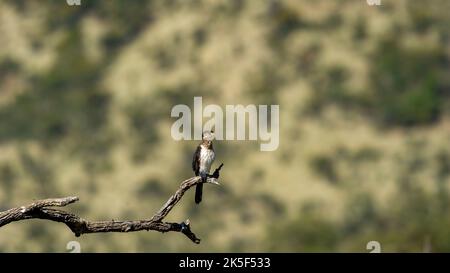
(41,209)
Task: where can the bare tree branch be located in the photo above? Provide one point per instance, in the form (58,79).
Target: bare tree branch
(41,210)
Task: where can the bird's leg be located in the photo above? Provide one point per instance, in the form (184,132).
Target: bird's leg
(204,176)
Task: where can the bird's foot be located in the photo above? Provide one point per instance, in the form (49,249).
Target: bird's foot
(204,177)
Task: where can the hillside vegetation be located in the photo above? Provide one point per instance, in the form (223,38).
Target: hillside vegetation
(364,95)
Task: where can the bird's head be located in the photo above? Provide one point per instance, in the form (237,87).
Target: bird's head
(208,135)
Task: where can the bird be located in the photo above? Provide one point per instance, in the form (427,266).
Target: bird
(202,160)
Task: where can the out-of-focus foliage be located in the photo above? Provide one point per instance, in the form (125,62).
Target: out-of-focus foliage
(86,94)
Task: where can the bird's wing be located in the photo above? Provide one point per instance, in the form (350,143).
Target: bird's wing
(196,160)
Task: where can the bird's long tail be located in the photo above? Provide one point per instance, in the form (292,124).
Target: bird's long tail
(198,193)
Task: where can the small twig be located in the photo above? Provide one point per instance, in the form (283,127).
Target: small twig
(41,210)
(216,173)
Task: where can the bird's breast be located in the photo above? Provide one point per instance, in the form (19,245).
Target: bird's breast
(206,159)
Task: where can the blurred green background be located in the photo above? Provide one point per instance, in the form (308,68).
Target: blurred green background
(364,93)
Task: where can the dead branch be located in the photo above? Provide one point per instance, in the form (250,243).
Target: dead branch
(41,210)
